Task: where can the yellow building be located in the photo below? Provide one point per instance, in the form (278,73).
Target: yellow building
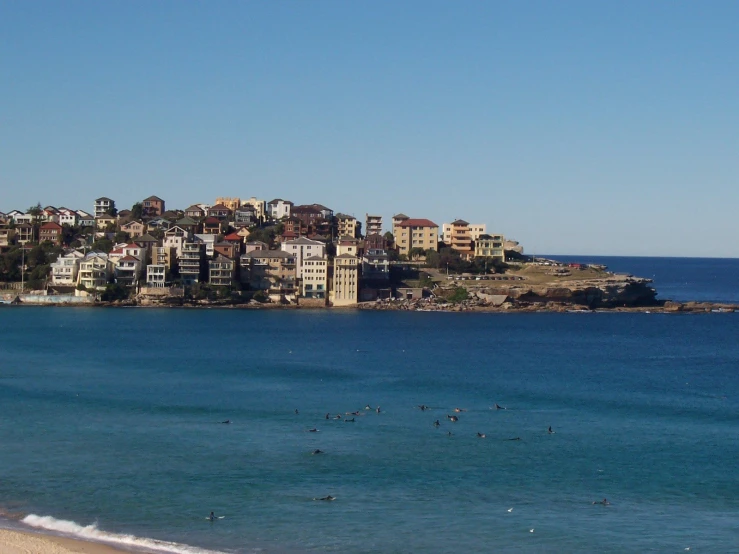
(490,246)
(411,233)
(346,280)
(230,203)
(347,225)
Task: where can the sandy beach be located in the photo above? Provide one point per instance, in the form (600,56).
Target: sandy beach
(17,542)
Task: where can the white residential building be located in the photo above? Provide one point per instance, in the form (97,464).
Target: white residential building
(68,217)
(156,275)
(102,205)
(209,240)
(64,270)
(314,280)
(303,248)
(279,208)
(94,272)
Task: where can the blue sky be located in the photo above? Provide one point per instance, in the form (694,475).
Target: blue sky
(573,127)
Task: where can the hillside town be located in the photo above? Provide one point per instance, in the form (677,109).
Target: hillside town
(265,251)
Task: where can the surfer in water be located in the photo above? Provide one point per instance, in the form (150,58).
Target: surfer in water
(604,502)
(329,498)
(436,423)
(228,421)
(317,451)
(550,430)
(378,409)
(499,407)
(481,435)
(212,516)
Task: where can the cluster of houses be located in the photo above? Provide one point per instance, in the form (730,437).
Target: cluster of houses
(317,256)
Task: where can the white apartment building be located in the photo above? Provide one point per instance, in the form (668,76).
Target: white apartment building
(64,270)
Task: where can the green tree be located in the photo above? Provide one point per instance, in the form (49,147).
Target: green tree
(102,245)
(137,211)
(416,253)
(458,295)
(35,211)
(121,236)
(114,292)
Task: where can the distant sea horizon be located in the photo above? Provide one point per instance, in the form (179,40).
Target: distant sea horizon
(682,279)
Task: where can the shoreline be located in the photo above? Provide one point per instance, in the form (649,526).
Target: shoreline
(14,541)
(667,307)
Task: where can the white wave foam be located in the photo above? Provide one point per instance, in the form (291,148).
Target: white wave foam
(92,533)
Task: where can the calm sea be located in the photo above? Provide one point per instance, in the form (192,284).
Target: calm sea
(110,427)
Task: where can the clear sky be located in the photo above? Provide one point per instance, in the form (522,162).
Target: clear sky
(574,127)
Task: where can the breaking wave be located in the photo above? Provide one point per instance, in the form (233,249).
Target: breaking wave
(92,533)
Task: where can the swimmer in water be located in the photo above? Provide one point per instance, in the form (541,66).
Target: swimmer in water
(459,410)
(515,439)
(481,435)
(296,411)
(338,416)
(436,423)
(452,418)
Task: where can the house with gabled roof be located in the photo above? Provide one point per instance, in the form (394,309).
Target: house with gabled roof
(227,249)
(127,270)
(67,217)
(51,232)
(219,211)
(195,212)
(279,208)
(214,226)
(158,224)
(152,206)
(134,228)
(175,237)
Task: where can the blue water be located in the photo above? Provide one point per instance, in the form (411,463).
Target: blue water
(109,426)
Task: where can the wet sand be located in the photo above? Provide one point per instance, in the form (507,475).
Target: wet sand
(18,542)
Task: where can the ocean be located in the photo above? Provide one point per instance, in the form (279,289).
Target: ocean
(111,426)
